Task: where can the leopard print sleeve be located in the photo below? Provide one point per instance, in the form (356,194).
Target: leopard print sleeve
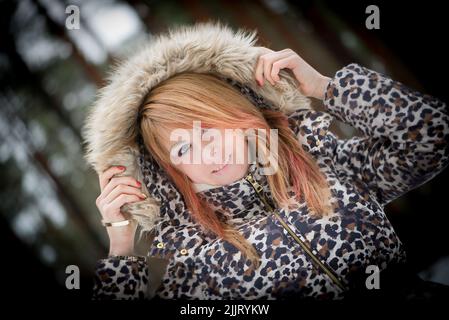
(121,278)
(405,133)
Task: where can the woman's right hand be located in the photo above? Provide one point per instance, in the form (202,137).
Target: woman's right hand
(115,192)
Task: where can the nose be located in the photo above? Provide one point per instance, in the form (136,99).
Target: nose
(213,153)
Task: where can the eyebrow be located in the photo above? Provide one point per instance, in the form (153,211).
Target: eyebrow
(180,142)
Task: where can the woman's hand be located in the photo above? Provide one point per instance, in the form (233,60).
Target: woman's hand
(115,192)
(311,82)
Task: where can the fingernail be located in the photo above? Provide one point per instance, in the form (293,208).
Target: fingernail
(138,183)
(121,167)
(143,196)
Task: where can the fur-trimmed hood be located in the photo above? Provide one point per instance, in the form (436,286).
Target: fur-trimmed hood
(111,131)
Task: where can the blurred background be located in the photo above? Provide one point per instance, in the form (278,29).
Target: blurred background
(50,73)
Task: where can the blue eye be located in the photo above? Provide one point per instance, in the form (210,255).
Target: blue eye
(183,149)
(187,146)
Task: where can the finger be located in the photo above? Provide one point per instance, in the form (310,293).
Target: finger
(261,68)
(121,200)
(108,174)
(115,181)
(122,189)
(267,68)
(258,71)
(268,60)
(281,64)
(268,63)
(258,74)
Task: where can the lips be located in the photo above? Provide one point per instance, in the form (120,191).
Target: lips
(224,165)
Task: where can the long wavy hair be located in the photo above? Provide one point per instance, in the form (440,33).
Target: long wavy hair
(187,97)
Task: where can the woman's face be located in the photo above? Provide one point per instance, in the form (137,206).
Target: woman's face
(213,156)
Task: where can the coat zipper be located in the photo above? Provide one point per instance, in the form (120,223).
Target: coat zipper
(258,188)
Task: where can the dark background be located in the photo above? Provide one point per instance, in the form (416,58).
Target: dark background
(48,218)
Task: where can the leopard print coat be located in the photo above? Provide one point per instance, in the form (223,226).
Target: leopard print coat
(404,144)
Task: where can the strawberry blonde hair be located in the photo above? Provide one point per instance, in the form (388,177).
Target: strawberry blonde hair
(187,97)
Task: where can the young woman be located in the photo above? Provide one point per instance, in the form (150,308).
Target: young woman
(311,227)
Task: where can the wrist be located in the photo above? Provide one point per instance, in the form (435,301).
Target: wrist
(321,87)
(121,249)
(121,241)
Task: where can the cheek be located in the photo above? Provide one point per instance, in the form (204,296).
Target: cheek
(240,150)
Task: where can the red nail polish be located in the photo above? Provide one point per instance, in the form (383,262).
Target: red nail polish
(138,183)
(121,167)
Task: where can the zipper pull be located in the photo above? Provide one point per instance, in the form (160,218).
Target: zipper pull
(254,183)
(258,188)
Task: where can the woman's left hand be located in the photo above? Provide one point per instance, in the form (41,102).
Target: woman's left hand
(311,82)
